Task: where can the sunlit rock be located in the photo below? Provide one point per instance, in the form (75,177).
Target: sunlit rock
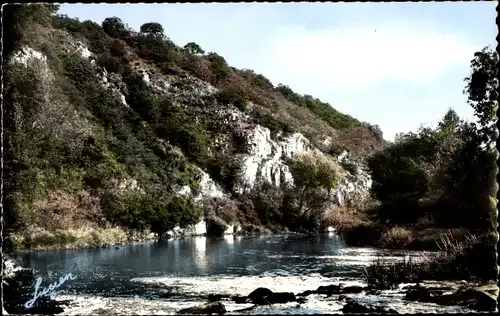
(27,55)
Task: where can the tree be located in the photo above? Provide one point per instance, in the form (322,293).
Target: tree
(314,176)
(153,28)
(481,88)
(450,122)
(114,27)
(194,49)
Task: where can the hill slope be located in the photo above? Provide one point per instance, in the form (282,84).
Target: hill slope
(116,128)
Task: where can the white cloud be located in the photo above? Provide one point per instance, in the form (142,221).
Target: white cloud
(362,57)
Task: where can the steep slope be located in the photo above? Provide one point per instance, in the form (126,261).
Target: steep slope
(134,131)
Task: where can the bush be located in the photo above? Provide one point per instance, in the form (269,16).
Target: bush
(470,259)
(117,48)
(224,169)
(110,63)
(216,227)
(363,235)
(396,238)
(350,167)
(235,96)
(178,210)
(336,149)
(218,66)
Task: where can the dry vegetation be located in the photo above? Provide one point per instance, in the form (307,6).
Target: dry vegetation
(344,219)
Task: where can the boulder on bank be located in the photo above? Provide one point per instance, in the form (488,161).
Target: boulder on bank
(210,308)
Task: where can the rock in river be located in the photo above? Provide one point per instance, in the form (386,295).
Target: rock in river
(263,296)
(480,298)
(354,307)
(211,308)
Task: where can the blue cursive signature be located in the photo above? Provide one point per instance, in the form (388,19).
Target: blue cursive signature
(45,291)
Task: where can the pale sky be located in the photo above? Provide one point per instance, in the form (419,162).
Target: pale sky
(397,65)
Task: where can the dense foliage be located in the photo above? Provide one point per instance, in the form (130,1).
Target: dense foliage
(453,165)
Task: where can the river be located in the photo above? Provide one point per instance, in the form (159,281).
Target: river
(162,278)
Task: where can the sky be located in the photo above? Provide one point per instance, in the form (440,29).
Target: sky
(397,65)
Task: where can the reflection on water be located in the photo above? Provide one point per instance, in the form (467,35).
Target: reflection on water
(185,270)
(100,269)
(200,254)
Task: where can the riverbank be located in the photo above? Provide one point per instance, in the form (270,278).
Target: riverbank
(38,239)
(362,228)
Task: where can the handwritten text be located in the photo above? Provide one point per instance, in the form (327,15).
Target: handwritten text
(47,290)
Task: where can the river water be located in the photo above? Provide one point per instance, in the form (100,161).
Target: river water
(162,278)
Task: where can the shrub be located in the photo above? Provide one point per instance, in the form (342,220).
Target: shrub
(224,169)
(166,214)
(344,219)
(110,63)
(336,149)
(396,238)
(216,227)
(365,235)
(117,48)
(235,96)
(218,66)
(350,167)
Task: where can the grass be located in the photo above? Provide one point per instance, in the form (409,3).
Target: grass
(471,258)
(381,275)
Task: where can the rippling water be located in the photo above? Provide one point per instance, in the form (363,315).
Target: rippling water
(161,278)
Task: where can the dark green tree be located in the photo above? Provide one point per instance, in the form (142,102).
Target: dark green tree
(481,88)
(194,49)
(115,28)
(153,28)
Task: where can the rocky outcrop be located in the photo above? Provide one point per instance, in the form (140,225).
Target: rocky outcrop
(265,160)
